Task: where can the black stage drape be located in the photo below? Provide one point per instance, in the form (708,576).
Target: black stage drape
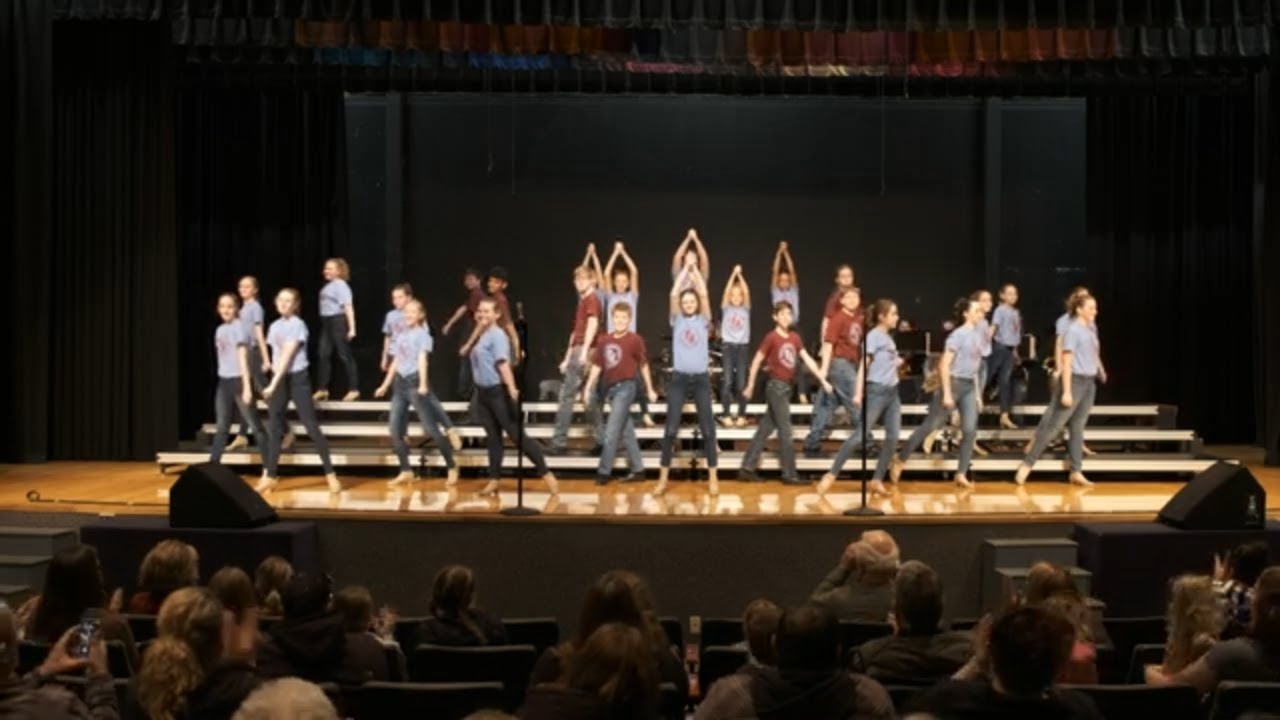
(1266,274)
(1170,205)
(113,353)
(261,190)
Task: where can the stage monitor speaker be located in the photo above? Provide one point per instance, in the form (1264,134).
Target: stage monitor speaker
(212,496)
(1224,497)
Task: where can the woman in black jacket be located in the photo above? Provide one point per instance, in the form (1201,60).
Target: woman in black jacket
(455,620)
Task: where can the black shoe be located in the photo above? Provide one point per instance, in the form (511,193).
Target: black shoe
(602,480)
(596,449)
(633,477)
(813,453)
(746,475)
(793,480)
(557,450)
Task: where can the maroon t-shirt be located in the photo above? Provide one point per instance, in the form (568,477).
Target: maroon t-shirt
(833,304)
(473,300)
(781,355)
(504,308)
(588,307)
(844,332)
(620,357)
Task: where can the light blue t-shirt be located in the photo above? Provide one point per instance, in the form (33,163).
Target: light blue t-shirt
(491,348)
(251,316)
(1008,322)
(735,324)
(966,342)
(283,331)
(394,324)
(629,297)
(883,352)
(689,344)
(334,296)
(791,295)
(1082,342)
(227,339)
(984,330)
(407,346)
(1060,327)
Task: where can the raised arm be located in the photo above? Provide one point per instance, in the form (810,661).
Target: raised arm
(724,297)
(746,289)
(677,260)
(700,287)
(606,280)
(631,268)
(454,318)
(704,263)
(592,260)
(777,263)
(785,250)
(674,306)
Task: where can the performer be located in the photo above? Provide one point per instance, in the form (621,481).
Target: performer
(785,285)
(592,261)
(844,281)
(620,357)
(337,329)
(393,325)
(1080,371)
(408,373)
(235,387)
(497,284)
(780,349)
(689,251)
(690,315)
(957,374)
(1060,327)
(735,333)
(252,317)
(841,350)
(986,332)
(586,324)
(464,317)
(878,371)
(625,288)
(1007,321)
(289,381)
(496,390)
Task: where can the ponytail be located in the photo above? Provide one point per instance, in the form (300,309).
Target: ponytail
(170,671)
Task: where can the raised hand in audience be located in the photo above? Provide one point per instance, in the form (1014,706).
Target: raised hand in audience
(60,661)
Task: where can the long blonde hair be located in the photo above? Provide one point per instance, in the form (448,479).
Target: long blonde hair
(188,644)
(1194,621)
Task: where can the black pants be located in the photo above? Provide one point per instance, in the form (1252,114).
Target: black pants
(295,386)
(228,397)
(494,411)
(680,386)
(333,338)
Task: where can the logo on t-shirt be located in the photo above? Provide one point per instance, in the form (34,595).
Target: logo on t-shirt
(787,355)
(690,337)
(612,355)
(736,323)
(855,333)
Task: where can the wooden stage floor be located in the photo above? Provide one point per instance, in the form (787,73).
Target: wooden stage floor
(104,488)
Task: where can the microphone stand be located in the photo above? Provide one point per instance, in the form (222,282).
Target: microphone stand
(864,510)
(520,509)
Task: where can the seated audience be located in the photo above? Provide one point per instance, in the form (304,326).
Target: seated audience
(610,677)
(31,697)
(287,699)
(310,641)
(919,651)
(759,625)
(364,647)
(74,589)
(1194,622)
(269,579)
(197,668)
(861,585)
(170,565)
(455,620)
(1052,584)
(1234,580)
(1044,580)
(1026,649)
(234,590)
(623,597)
(808,682)
(1081,667)
(1253,657)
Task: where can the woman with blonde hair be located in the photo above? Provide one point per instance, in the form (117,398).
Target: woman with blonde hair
(1194,621)
(337,329)
(273,573)
(195,667)
(170,565)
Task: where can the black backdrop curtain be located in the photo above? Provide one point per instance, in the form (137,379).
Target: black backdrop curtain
(261,190)
(1267,260)
(113,358)
(1170,182)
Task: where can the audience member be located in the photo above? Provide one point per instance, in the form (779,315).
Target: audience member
(169,566)
(1081,667)
(455,619)
(1027,648)
(31,698)
(197,667)
(1234,580)
(919,651)
(364,648)
(622,597)
(74,589)
(808,682)
(861,585)
(234,590)
(310,641)
(1252,657)
(269,579)
(759,625)
(1044,580)
(1194,622)
(287,699)
(610,677)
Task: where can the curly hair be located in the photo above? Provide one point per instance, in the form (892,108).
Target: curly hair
(1194,621)
(188,644)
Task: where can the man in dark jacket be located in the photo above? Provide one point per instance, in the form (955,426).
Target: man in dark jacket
(919,652)
(310,641)
(31,699)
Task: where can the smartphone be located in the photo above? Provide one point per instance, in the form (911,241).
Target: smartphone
(82,638)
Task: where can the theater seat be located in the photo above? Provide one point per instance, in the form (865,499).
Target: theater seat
(1234,699)
(411,701)
(674,630)
(1144,654)
(541,633)
(1125,634)
(406,628)
(143,627)
(720,632)
(718,661)
(1125,702)
(30,656)
(510,665)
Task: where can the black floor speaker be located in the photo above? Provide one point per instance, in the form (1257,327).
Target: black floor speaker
(1224,497)
(211,496)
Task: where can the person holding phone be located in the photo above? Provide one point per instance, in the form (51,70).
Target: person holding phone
(18,697)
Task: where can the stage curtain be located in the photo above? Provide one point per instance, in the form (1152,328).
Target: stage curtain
(112,366)
(25,183)
(262,190)
(1171,233)
(1267,261)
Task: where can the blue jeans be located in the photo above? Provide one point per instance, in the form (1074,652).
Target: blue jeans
(620,429)
(1003,359)
(778,398)
(965,392)
(570,387)
(1084,389)
(295,386)
(734,361)
(404,393)
(230,394)
(881,400)
(842,374)
(678,388)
